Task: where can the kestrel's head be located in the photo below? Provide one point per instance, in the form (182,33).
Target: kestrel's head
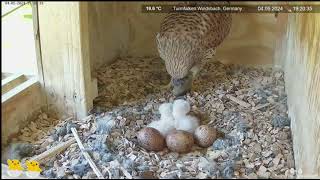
(179,56)
(182,86)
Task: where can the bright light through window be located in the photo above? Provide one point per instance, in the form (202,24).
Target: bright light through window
(17,42)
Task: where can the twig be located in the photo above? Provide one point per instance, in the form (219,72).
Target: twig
(53,151)
(86,154)
(125,172)
(274,104)
(240,102)
(260,106)
(278,103)
(109,173)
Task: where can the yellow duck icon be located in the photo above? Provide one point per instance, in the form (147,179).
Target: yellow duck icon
(14,168)
(33,166)
(14,165)
(33,169)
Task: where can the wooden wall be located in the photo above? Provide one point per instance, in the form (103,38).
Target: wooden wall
(251,40)
(18,106)
(76,38)
(298,50)
(64,42)
(121,29)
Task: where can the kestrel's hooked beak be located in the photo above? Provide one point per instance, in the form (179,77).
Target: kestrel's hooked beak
(182,86)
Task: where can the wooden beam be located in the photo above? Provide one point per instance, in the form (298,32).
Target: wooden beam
(18,106)
(299,51)
(35,18)
(63,30)
(19,89)
(53,151)
(11,82)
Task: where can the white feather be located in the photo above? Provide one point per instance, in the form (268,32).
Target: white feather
(183,121)
(162,126)
(166,123)
(165,110)
(180,108)
(187,123)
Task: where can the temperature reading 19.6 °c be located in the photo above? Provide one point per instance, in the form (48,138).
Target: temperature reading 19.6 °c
(153,8)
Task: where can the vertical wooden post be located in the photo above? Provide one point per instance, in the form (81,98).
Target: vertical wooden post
(35,18)
(64,43)
(299,51)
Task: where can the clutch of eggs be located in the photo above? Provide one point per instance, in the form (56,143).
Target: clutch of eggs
(177,140)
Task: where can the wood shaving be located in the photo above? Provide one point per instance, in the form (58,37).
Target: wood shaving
(129,92)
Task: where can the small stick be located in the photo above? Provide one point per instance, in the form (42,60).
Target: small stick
(240,102)
(260,106)
(278,103)
(109,173)
(65,121)
(53,151)
(125,172)
(86,154)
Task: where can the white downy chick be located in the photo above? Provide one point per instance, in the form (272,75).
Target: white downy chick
(166,123)
(183,121)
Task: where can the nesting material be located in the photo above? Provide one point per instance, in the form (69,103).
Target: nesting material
(130,80)
(86,154)
(256,143)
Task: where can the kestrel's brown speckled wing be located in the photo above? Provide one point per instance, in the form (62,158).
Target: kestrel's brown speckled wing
(185,38)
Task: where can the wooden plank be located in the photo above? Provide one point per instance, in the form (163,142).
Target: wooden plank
(19,89)
(11,82)
(18,106)
(88,85)
(299,50)
(65,57)
(53,151)
(35,18)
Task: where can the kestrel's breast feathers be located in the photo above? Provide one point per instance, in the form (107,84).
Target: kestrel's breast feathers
(184,39)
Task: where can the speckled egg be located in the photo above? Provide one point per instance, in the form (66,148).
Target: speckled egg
(180,141)
(151,139)
(205,135)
